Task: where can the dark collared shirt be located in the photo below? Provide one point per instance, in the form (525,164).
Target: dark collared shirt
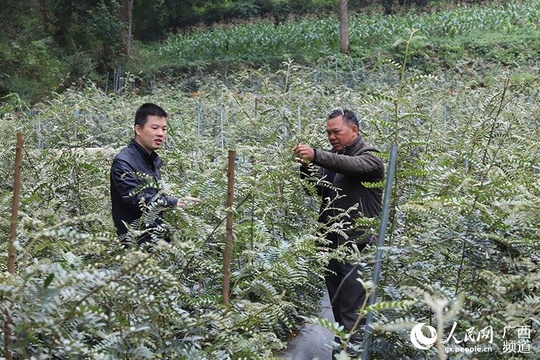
(134,177)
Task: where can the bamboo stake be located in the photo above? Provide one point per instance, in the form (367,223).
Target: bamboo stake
(229,227)
(12,236)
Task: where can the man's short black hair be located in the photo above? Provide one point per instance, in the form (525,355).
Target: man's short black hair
(349,117)
(148,109)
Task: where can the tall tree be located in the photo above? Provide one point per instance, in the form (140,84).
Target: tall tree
(126,16)
(344,26)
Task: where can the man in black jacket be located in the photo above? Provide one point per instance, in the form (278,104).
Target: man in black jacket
(135,173)
(345,168)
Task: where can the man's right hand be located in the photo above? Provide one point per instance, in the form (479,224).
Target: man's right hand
(187,201)
(306,152)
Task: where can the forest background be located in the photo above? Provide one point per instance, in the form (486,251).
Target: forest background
(452,84)
(45,46)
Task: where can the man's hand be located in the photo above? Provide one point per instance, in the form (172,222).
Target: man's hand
(187,201)
(306,152)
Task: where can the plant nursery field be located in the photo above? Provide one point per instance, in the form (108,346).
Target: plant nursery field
(461,253)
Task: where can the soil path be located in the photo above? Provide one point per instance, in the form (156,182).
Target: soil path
(313,342)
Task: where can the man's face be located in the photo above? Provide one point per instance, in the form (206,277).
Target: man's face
(152,135)
(340,133)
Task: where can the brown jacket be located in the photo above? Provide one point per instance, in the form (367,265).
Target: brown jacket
(344,196)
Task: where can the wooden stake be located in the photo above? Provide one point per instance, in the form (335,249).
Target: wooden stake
(229,227)
(13,235)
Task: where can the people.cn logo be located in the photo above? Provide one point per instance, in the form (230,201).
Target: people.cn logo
(420,340)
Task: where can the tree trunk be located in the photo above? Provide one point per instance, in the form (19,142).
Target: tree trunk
(126,16)
(343,27)
(387,6)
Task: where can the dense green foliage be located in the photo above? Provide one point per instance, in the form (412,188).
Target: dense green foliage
(463,242)
(48,45)
(490,34)
(463,230)
(77,293)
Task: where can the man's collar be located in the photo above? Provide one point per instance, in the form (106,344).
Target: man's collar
(148,157)
(356,143)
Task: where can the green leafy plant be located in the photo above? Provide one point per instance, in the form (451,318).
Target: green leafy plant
(464,226)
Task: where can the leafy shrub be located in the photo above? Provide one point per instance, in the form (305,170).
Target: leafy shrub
(463,228)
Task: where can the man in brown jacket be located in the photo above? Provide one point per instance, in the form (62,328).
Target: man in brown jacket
(344,170)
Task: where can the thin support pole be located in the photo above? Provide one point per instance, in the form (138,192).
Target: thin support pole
(221,116)
(12,236)
(199,119)
(228,227)
(380,243)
